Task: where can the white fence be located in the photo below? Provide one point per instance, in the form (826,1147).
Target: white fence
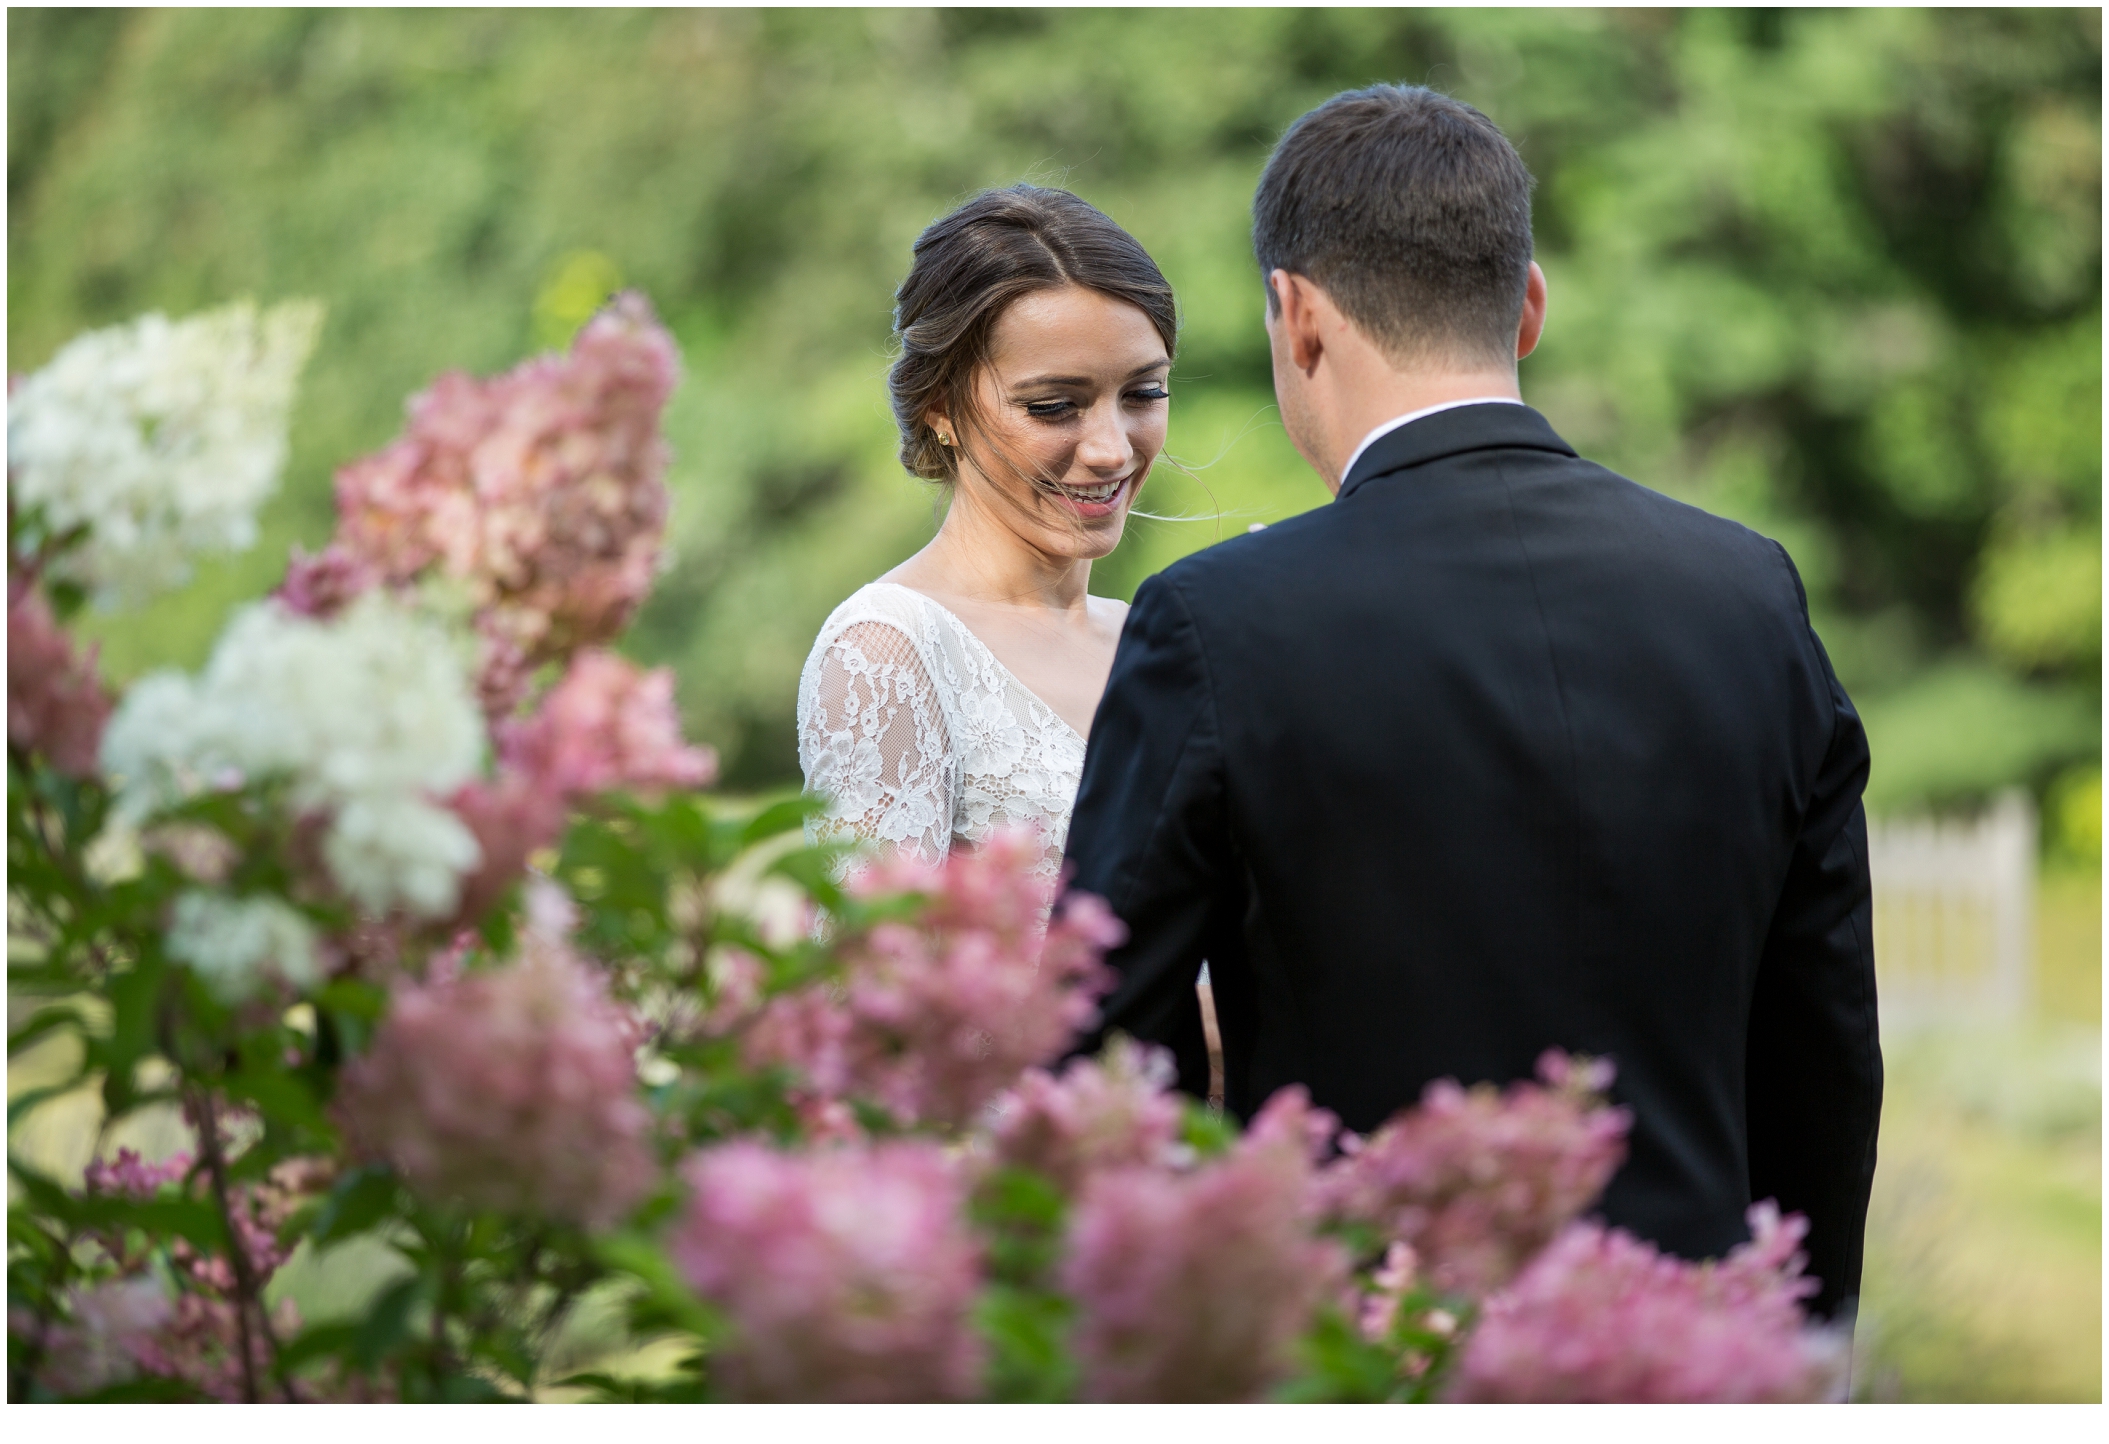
(1954,915)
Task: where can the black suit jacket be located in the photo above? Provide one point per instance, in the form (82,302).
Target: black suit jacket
(1499,752)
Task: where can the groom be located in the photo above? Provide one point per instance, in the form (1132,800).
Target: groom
(1497,752)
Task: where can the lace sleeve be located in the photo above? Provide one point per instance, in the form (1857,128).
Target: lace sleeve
(873,741)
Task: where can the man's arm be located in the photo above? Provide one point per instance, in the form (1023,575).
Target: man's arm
(1149,832)
(1814,1070)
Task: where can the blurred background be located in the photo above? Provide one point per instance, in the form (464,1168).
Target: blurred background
(1834,274)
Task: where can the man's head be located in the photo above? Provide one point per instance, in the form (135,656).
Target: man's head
(1412,211)
(1393,227)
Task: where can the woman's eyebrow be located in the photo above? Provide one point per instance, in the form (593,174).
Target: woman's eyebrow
(1144,369)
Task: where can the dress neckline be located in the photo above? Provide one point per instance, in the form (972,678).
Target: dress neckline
(990,653)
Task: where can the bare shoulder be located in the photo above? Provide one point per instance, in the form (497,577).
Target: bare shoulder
(1108,614)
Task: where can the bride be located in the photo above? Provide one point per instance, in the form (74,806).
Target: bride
(954,695)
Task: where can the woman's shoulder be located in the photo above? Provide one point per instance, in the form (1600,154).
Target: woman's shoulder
(888,603)
(870,612)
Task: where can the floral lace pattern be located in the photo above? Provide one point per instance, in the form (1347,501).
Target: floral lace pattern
(921,740)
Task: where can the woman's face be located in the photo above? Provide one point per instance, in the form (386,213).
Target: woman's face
(1075,395)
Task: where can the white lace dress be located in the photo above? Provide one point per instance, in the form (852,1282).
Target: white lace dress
(919,738)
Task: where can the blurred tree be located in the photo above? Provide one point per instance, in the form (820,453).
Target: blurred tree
(1836,274)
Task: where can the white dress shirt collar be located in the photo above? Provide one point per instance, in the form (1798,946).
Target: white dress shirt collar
(1412,416)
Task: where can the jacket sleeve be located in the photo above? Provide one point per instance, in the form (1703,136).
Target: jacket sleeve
(1149,832)
(1814,1067)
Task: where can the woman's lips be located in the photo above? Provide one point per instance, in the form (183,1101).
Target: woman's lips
(1094,501)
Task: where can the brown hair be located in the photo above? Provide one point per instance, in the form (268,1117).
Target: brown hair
(1412,211)
(969,266)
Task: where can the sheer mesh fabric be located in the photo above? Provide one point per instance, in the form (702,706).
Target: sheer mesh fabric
(921,740)
(873,741)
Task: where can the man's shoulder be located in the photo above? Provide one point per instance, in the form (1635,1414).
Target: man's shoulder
(1235,560)
(1687,532)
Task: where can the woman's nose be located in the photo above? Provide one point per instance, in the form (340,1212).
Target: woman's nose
(1104,445)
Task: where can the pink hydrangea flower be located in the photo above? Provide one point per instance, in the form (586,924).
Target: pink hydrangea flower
(848,1271)
(56,704)
(113,1335)
(935,1018)
(606,725)
(511,815)
(541,489)
(1478,1181)
(324,584)
(511,1089)
(1194,1287)
(1117,1111)
(130,1176)
(1601,1317)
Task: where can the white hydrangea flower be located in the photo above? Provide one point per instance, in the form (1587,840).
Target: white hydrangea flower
(233,944)
(368,716)
(164,437)
(396,848)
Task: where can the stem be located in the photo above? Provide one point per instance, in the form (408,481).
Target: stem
(248,1294)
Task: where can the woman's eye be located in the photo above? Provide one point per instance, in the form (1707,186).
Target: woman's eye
(1154,393)
(1049,410)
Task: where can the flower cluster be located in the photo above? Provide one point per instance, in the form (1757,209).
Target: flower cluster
(935,1018)
(235,944)
(512,1089)
(1602,1317)
(163,437)
(113,1335)
(606,725)
(56,704)
(1192,1287)
(1478,1181)
(1113,1112)
(367,716)
(130,1176)
(846,1271)
(181,1322)
(540,490)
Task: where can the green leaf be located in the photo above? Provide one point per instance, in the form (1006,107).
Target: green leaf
(779,818)
(135,999)
(317,1342)
(149,1390)
(469,1389)
(388,1322)
(1206,1131)
(361,1199)
(642,1259)
(1028,1335)
(283,1098)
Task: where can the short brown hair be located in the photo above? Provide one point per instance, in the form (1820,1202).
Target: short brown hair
(969,266)
(1412,211)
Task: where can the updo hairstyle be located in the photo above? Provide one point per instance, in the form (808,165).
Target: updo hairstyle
(973,263)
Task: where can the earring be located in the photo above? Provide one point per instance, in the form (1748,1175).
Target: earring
(944,439)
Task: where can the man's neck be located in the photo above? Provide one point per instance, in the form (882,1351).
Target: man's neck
(1385,396)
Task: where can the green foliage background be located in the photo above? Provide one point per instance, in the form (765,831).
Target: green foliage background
(1836,274)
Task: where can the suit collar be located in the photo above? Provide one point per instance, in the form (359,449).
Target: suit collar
(1446,433)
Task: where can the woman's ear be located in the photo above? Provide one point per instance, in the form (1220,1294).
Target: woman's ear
(936,419)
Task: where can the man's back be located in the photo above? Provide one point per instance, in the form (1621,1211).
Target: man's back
(1502,752)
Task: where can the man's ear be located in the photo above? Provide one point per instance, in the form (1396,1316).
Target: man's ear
(1532,326)
(1299,319)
